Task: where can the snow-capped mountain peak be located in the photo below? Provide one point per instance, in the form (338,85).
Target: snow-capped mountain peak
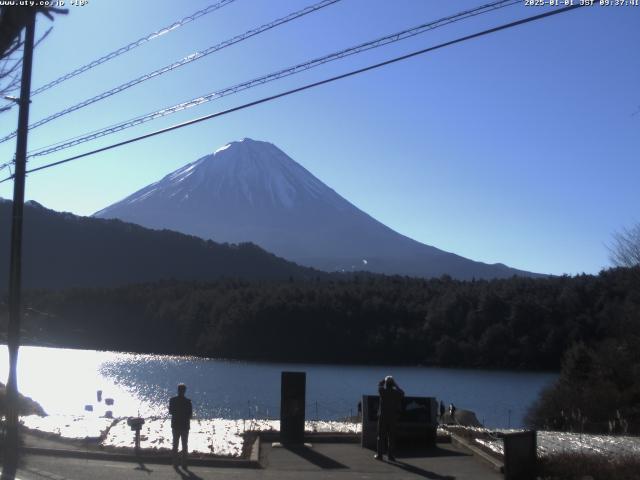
(259,172)
(252,191)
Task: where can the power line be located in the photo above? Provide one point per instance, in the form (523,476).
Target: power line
(126,48)
(134,44)
(306,87)
(395,37)
(183,61)
(7,165)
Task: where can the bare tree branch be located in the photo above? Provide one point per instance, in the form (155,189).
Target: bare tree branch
(12,22)
(624,251)
(10,73)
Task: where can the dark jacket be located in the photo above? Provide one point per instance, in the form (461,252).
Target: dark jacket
(181,412)
(390,403)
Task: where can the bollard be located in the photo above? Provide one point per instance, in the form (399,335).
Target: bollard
(136,425)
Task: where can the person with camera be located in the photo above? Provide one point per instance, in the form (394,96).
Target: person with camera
(390,404)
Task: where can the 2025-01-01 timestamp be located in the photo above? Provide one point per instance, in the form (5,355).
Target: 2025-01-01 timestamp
(585,3)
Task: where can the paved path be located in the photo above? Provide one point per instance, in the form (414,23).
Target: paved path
(322,461)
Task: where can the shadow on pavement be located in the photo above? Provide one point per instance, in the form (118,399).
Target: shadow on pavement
(187,474)
(420,471)
(431,452)
(316,458)
(143,467)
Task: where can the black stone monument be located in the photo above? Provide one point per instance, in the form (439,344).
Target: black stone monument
(417,421)
(292,403)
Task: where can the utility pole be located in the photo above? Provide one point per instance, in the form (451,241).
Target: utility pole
(10,462)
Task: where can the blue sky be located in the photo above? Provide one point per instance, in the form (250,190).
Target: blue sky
(520,147)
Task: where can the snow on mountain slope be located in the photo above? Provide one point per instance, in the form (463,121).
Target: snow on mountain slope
(252,191)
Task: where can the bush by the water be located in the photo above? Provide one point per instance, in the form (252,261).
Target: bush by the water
(26,406)
(598,390)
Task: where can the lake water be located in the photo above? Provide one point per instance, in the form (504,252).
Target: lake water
(63,381)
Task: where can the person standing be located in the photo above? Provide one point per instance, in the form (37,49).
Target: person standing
(181,412)
(452,412)
(389,406)
(441,412)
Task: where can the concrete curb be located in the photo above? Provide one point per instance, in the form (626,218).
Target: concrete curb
(316,437)
(255,451)
(494,463)
(152,459)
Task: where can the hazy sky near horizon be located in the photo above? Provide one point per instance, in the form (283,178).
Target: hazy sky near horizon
(520,147)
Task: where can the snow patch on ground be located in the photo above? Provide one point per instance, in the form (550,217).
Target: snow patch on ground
(550,443)
(68,426)
(216,436)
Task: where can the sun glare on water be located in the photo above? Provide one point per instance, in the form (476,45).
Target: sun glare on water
(66,382)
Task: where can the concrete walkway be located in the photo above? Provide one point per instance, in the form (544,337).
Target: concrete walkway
(321,461)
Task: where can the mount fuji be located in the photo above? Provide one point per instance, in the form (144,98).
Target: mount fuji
(251,191)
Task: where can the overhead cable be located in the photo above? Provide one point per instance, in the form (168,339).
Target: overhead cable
(183,61)
(395,37)
(306,87)
(6,165)
(127,48)
(134,44)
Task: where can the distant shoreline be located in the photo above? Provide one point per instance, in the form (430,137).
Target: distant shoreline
(36,343)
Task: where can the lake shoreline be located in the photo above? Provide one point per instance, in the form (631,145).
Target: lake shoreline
(141,385)
(261,360)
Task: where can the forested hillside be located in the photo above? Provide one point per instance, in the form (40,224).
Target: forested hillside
(514,323)
(62,250)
